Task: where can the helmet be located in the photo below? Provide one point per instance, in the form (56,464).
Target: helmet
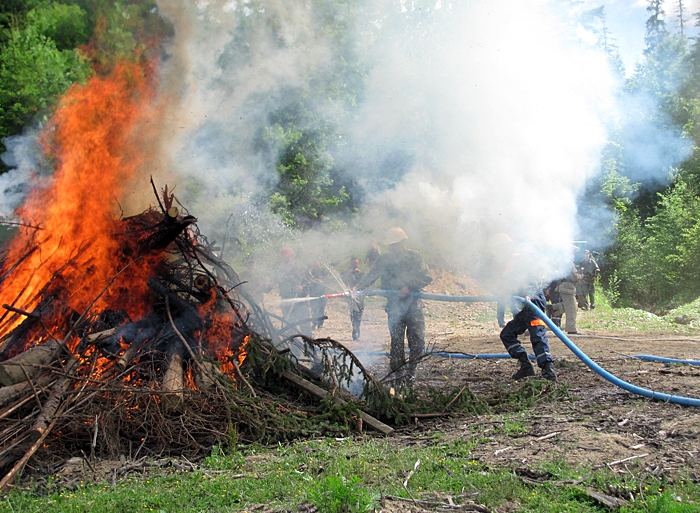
(499,240)
(287,252)
(394,235)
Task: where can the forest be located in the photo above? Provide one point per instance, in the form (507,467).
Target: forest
(644,210)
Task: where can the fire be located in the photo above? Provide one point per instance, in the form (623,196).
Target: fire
(222,332)
(74,253)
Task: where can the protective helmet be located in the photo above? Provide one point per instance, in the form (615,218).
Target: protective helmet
(394,235)
(499,240)
(288,252)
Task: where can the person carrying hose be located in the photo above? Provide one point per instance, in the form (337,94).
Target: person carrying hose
(403,270)
(513,268)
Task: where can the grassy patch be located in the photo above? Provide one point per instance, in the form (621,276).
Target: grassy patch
(629,319)
(346,475)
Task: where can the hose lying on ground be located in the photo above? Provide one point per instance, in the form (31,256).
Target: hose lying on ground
(644,392)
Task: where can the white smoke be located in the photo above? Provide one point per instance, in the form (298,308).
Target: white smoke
(497,109)
(476,117)
(21,157)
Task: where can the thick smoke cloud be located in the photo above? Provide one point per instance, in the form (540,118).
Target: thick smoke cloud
(474,118)
(478,117)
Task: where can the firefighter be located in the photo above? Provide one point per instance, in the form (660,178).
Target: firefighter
(567,290)
(293,282)
(351,277)
(590,270)
(403,270)
(513,267)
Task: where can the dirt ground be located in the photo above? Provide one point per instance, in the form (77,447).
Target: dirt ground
(600,424)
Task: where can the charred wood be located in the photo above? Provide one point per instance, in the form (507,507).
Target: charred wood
(173,380)
(51,404)
(28,363)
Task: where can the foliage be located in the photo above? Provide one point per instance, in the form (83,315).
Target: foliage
(33,72)
(336,494)
(44,49)
(308,128)
(65,24)
(125,30)
(305,193)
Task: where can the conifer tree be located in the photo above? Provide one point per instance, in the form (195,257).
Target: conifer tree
(656,25)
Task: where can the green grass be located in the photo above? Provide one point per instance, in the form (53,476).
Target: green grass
(629,319)
(345,475)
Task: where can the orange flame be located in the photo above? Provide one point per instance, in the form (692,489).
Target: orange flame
(90,138)
(224,337)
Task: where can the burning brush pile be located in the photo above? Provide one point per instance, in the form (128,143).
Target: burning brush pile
(164,351)
(124,335)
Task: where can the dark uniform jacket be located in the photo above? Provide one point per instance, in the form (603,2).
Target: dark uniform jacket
(590,269)
(352,277)
(290,278)
(400,269)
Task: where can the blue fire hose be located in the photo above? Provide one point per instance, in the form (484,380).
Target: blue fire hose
(644,392)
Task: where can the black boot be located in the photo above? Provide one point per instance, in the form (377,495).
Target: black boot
(548,371)
(526,369)
(557,321)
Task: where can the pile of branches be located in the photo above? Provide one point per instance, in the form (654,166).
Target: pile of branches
(203,365)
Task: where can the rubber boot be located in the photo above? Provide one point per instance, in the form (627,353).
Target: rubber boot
(526,369)
(548,371)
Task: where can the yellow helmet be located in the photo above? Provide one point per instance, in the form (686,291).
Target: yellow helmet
(499,240)
(394,235)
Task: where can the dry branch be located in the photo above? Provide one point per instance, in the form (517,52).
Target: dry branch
(50,406)
(322,394)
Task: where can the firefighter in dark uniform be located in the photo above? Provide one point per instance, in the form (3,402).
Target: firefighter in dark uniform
(513,267)
(351,277)
(294,283)
(403,270)
(590,270)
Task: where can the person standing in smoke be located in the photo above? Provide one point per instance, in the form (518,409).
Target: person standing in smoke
(293,283)
(317,289)
(373,254)
(590,270)
(254,283)
(514,268)
(555,308)
(351,277)
(567,290)
(401,270)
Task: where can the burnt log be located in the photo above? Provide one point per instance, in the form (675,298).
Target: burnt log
(11,393)
(206,376)
(136,345)
(51,404)
(174,379)
(28,363)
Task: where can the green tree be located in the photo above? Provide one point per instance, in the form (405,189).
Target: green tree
(655,25)
(33,72)
(305,193)
(66,24)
